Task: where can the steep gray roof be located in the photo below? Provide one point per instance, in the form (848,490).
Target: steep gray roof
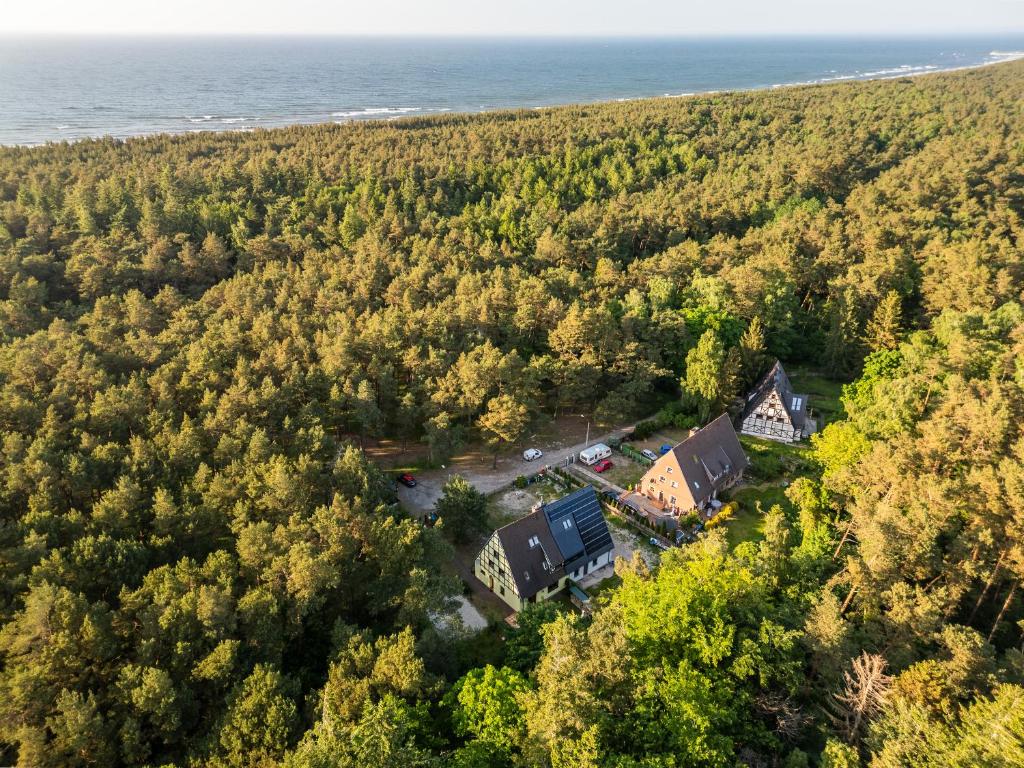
(777,380)
(569,531)
(710,457)
(533,566)
(579,527)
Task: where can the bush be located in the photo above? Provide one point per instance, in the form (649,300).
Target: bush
(670,412)
(685,421)
(521,482)
(462,509)
(674,413)
(644,429)
(689,520)
(724,514)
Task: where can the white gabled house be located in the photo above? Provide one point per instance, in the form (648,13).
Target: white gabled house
(774,411)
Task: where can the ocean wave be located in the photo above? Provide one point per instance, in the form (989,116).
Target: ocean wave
(373,111)
(233,120)
(903,69)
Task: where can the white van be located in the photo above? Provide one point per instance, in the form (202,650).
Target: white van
(595,453)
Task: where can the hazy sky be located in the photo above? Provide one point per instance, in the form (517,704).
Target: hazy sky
(497,17)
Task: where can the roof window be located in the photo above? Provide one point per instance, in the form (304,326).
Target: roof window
(534,541)
(567,524)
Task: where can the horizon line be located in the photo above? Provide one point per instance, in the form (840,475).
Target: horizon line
(948,34)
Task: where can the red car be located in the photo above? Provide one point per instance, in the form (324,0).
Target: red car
(601,466)
(407,480)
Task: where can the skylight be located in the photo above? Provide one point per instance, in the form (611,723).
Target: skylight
(534,541)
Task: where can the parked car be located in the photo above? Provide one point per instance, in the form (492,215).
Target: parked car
(601,466)
(649,454)
(665,449)
(530,454)
(407,480)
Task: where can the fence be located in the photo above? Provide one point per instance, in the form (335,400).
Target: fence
(640,524)
(632,453)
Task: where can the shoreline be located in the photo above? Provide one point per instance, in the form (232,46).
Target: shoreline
(385,115)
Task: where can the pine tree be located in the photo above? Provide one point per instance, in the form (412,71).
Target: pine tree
(753,352)
(503,422)
(883,329)
(703,383)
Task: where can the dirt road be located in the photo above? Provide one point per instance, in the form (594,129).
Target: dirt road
(476,468)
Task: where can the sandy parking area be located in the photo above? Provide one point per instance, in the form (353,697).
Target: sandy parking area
(477,469)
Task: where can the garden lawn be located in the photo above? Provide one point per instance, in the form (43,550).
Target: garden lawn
(772,461)
(748,524)
(823,394)
(625,472)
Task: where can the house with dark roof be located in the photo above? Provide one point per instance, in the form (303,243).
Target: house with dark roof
(690,476)
(538,555)
(774,411)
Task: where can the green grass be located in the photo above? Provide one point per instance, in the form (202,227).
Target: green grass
(771,461)
(823,394)
(748,524)
(625,472)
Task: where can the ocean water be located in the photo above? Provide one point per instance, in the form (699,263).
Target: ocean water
(57,89)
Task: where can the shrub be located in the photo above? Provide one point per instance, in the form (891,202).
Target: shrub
(685,421)
(724,514)
(689,520)
(520,482)
(644,429)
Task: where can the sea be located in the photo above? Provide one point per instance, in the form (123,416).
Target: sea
(71,88)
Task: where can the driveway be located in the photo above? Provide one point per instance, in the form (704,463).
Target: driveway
(594,478)
(477,469)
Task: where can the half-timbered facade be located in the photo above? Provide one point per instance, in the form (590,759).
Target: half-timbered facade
(538,555)
(774,411)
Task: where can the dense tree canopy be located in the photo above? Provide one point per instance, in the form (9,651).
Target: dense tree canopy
(199,566)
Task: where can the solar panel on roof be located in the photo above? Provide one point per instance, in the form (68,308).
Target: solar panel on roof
(585,510)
